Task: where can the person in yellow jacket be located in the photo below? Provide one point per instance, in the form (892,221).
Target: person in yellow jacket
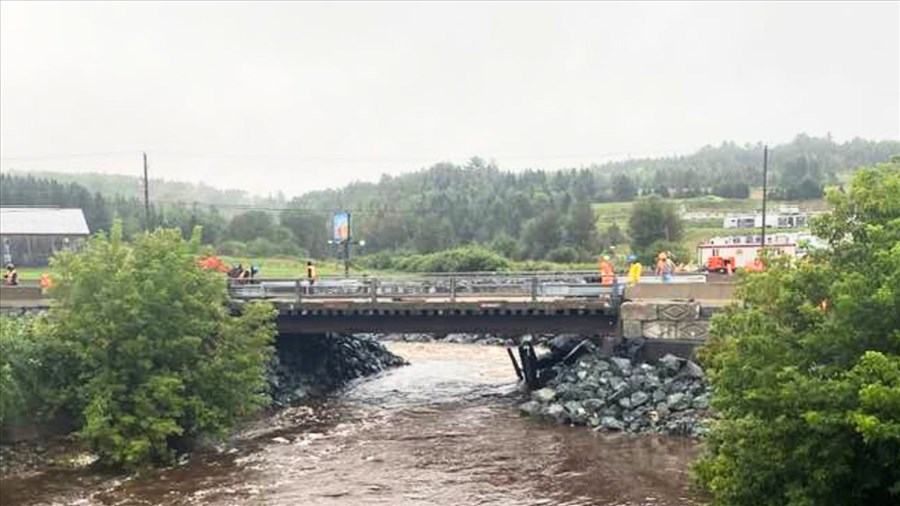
(634,270)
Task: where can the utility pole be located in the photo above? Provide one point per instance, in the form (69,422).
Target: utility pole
(765,191)
(146,195)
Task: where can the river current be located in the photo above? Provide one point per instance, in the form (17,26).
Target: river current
(441,431)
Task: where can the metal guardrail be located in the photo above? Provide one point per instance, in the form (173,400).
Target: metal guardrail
(445,287)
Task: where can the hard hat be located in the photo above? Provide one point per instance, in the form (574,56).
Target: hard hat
(606,257)
(632,257)
(662,255)
(10,266)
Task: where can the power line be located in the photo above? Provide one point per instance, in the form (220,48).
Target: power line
(69,155)
(341,159)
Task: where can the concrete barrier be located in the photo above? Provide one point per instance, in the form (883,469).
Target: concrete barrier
(681,291)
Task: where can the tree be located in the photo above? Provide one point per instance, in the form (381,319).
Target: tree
(164,361)
(541,234)
(624,188)
(581,227)
(806,373)
(250,225)
(653,219)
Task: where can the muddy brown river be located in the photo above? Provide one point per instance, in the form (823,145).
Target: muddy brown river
(442,431)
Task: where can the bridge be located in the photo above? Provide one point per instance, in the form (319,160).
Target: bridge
(507,303)
(488,302)
(510,304)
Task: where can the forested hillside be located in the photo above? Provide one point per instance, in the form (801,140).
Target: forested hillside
(532,214)
(163,191)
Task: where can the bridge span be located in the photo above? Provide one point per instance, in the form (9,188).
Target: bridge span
(509,304)
(497,303)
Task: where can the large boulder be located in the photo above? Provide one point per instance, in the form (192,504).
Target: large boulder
(557,412)
(610,423)
(678,401)
(530,408)
(670,363)
(693,370)
(576,412)
(544,395)
(638,398)
(593,404)
(622,365)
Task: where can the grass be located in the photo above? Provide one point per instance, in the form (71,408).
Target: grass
(701,230)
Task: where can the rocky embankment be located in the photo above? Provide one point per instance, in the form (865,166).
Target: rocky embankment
(311,366)
(615,394)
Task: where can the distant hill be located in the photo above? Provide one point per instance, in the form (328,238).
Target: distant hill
(161,190)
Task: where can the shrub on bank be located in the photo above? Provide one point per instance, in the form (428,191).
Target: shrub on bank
(37,372)
(160,360)
(806,373)
(466,259)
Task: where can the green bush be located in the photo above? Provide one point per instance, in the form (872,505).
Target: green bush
(806,373)
(466,259)
(37,371)
(163,361)
(564,255)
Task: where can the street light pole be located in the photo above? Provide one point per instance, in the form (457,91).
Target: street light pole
(347,258)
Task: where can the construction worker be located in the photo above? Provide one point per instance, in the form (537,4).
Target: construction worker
(243,274)
(634,270)
(607,272)
(46,282)
(10,277)
(663,267)
(310,276)
(310,272)
(758,264)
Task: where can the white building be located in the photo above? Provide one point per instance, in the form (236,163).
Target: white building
(30,235)
(745,248)
(785,217)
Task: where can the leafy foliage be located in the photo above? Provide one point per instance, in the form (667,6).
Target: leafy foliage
(807,374)
(163,361)
(468,259)
(653,219)
(37,371)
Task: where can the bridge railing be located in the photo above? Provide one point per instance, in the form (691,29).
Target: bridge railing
(439,287)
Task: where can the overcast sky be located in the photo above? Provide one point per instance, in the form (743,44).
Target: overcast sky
(299,96)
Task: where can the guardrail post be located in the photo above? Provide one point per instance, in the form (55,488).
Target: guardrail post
(373,287)
(298,292)
(534,288)
(453,289)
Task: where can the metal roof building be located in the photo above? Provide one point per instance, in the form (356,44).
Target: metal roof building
(31,235)
(23,221)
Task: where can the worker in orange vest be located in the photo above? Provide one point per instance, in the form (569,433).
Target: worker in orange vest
(607,272)
(46,282)
(758,265)
(664,267)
